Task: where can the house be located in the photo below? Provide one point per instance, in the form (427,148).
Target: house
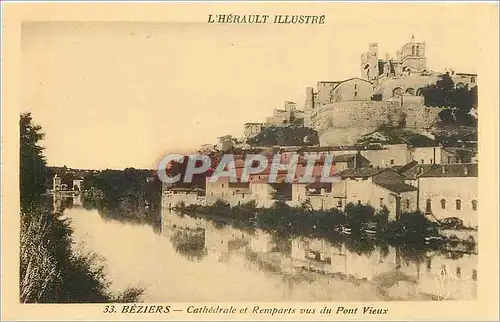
(450,190)
(171,197)
(378,155)
(77,184)
(377,187)
(427,154)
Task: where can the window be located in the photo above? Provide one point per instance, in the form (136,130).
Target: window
(474,204)
(359,202)
(339,203)
(355,94)
(422,161)
(443,204)
(381,202)
(431,161)
(428,205)
(449,159)
(355,86)
(459,271)
(458,204)
(418,51)
(408,203)
(474,275)
(222,185)
(392,161)
(429,266)
(413,50)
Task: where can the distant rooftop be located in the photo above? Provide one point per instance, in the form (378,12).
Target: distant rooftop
(451,170)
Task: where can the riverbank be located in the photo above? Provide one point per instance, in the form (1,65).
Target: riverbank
(53,267)
(360,226)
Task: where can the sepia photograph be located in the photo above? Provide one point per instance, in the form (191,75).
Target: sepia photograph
(265,155)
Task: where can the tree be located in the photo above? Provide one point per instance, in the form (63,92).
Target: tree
(32,162)
(458,101)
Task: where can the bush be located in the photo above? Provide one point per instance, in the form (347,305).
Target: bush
(357,215)
(51,270)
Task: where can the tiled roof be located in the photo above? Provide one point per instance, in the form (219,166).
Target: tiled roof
(349,79)
(335,158)
(361,172)
(340,148)
(396,186)
(413,169)
(319,185)
(451,170)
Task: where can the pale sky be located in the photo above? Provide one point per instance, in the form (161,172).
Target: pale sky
(116,95)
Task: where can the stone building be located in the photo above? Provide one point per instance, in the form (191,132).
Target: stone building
(225,143)
(387,93)
(450,190)
(375,187)
(56,183)
(171,197)
(77,184)
(289,115)
(252,129)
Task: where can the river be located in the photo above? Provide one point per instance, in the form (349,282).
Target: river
(190,260)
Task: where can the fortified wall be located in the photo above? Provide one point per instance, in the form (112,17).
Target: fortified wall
(389,92)
(343,123)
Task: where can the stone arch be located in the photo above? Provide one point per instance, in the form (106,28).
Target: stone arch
(420,92)
(398,91)
(367,71)
(410,91)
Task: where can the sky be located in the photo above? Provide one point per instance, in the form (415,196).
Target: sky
(125,94)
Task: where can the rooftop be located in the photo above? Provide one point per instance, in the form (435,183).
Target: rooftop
(361,172)
(451,170)
(340,148)
(396,186)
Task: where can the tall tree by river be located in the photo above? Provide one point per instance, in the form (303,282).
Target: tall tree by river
(51,269)
(32,160)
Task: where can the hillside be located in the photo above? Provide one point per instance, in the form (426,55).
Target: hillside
(455,135)
(285,136)
(448,135)
(388,135)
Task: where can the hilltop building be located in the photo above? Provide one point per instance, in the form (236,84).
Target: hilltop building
(388,92)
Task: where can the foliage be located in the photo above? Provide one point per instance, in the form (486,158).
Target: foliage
(382,216)
(445,94)
(32,161)
(285,136)
(190,245)
(51,270)
(390,135)
(357,215)
(124,195)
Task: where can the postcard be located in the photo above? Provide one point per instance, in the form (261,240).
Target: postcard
(250,161)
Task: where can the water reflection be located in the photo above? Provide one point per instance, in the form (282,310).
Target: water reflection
(394,272)
(190,259)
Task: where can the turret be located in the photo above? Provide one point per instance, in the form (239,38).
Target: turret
(309,103)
